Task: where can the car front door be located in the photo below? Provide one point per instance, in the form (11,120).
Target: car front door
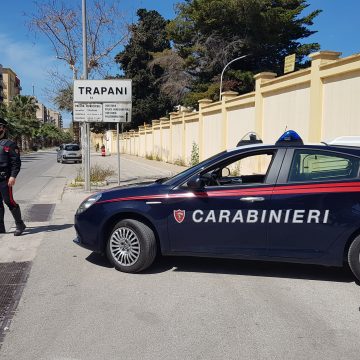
(316,202)
(226,217)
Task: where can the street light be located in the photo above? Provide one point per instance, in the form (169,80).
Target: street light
(222,73)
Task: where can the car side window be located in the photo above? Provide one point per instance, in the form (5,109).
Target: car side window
(322,165)
(250,169)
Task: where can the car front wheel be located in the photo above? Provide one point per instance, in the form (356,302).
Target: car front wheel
(131,246)
(354,257)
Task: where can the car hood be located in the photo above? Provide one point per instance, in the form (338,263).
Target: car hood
(134,190)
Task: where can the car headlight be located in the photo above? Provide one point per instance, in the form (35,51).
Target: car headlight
(88,202)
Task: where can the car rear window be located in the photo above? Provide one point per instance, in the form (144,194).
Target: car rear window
(72,147)
(321,165)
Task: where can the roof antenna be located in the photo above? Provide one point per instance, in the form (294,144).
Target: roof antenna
(285,128)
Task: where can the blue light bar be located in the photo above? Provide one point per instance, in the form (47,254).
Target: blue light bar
(289,138)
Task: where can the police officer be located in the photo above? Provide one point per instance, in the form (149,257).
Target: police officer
(10,164)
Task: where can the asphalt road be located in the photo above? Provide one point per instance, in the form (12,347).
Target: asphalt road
(76,306)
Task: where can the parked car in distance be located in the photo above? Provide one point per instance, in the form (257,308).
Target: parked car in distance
(69,153)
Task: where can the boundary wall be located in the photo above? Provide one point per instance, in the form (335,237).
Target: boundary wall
(320,103)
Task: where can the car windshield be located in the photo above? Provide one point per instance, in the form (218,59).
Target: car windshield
(72,147)
(185,173)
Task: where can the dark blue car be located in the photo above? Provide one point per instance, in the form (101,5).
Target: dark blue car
(284,202)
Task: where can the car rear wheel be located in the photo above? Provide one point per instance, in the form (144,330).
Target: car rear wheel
(131,246)
(354,257)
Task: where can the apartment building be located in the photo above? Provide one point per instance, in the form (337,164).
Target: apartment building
(54,117)
(11,85)
(41,113)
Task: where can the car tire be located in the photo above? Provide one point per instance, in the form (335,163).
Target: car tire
(131,246)
(354,257)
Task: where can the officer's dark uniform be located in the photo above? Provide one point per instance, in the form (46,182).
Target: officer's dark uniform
(10,164)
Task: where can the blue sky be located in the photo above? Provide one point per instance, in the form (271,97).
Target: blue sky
(337,26)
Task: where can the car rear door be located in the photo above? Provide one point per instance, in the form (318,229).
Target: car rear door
(317,202)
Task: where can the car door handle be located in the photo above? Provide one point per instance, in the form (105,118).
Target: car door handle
(252,199)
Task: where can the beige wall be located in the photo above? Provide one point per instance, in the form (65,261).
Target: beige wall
(286,109)
(240,122)
(212,129)
(341,94)
(177,141)
(191,137)
(320,102)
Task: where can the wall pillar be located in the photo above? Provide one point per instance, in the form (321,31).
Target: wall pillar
(225,96)
(316,92)
(202,103)
(164,122)
(183,150)
(259,100)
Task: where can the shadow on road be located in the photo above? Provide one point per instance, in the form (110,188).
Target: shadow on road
(46,228)
(240,267)
(251,268)
(35,156)
(98,259)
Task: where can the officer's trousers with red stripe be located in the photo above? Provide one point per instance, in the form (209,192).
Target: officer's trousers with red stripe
(6,196)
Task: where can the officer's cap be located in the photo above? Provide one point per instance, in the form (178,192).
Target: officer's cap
(3,121)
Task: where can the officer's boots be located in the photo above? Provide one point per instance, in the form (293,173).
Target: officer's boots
(2,225)
(20,226)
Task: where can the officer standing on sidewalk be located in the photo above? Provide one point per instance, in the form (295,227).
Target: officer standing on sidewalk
(10,164)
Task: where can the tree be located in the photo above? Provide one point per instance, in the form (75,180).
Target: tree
(22,119)
(207,34)
(52,135)
(148,36)
(61,23)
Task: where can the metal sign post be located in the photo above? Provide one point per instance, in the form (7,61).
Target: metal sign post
(118,150)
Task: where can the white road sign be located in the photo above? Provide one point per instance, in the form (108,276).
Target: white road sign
(117,112)
(101,91)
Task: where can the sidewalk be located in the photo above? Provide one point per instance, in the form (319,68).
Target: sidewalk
(135,168)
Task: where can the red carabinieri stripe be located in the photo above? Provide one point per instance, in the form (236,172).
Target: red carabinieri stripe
(277,190)
(12,201)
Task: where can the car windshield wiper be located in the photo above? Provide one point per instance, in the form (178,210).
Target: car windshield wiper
(161,180)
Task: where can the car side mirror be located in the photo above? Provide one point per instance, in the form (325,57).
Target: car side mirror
(196,183)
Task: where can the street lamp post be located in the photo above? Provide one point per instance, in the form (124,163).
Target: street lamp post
(222,73)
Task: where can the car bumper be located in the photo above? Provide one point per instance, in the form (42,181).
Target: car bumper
(72,158)
(86,239)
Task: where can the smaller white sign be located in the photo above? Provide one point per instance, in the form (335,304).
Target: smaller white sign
(79,112)
(88,112)
(117,112)
(94,112)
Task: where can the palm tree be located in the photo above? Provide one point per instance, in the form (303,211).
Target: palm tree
(22,115)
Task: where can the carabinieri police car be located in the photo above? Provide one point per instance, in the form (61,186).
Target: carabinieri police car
(284,202)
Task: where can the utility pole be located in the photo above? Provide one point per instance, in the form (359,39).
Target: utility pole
(85,126)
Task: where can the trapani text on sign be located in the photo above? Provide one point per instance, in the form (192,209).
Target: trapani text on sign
(102,91)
